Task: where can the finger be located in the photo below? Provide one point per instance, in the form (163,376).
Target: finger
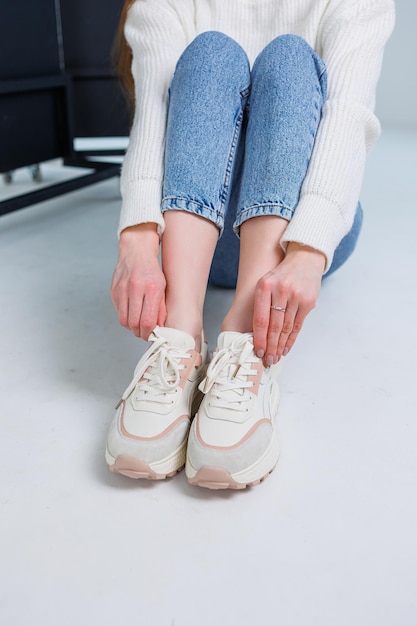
(114,293)
(287,328)
(305,307)
(135,308)
(276,323)
(150,311)
(297,326)
(134,302)
(123,311)
(115,300)
(121,304)
(162,314)
(261,314)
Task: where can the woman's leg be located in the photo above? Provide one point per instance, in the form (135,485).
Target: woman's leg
(288,91)
(232,441)
(187,249)
(207,100)
(149,433)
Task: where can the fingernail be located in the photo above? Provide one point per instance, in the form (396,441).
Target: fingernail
(260,354)
(286,350)
(276,359)
(269,359)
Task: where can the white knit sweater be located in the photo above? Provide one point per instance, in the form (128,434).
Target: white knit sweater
(349,35)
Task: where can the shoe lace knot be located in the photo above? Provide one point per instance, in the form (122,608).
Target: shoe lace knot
(227,375)
(157,377)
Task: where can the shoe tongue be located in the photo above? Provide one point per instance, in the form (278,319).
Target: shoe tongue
(226,338)
(177,338)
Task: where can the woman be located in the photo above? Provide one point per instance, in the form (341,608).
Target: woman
(252,118)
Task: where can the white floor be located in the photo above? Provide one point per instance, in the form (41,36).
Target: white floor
(329,539)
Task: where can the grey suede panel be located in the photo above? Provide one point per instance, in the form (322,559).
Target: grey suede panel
(234,460)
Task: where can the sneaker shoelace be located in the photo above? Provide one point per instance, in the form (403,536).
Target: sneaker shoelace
(227,375)
(156,378)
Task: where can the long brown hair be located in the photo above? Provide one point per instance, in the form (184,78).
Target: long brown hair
(122,57)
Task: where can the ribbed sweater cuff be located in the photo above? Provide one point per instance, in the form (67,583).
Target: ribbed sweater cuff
(141,204)
(317,223)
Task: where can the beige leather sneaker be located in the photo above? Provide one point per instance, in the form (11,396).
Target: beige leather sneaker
(148,435)
(232,442)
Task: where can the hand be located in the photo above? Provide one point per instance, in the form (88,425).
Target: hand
(293,285)
(138,284)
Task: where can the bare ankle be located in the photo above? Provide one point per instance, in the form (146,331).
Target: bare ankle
(192,327)
(238,321)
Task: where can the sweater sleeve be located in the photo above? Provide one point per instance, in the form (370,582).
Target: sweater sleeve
(352,41)
(157,31)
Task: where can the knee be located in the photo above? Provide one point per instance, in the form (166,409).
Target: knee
(212,43)
(215,50)
(290,51)
(287,46)
(291,43)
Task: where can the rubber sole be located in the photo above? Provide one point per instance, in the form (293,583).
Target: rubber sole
(136,468)
(217,478)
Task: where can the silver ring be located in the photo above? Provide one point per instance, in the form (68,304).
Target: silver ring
(278,308)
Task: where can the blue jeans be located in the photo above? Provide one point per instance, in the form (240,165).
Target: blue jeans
(239,141)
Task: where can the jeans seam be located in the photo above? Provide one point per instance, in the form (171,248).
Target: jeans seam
(230,159)
(244,93)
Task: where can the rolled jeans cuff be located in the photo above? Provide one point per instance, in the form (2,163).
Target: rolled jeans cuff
(195,207)
(258,210)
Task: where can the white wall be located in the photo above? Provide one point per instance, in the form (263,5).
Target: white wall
(397,90)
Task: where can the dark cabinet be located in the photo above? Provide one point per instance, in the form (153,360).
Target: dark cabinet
(56,84)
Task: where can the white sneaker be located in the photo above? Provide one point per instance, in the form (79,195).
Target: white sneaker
(148,435)
(232,442)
